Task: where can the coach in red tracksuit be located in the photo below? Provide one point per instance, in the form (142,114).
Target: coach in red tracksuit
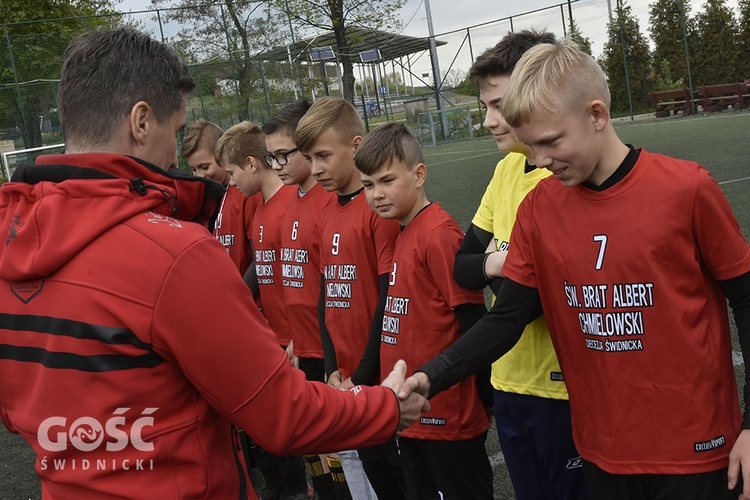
(123,384)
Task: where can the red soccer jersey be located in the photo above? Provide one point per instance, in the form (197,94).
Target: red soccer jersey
(419,322)
(234,226)
(300,269)
(356,246)
(628,282)
(267,242)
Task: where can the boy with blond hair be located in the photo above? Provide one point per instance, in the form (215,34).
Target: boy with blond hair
(300,264)
(356,250)
(532,413)
(241,151)
(443,455)
(233,225)
(633,255)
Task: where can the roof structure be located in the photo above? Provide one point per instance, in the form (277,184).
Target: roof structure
(391,45)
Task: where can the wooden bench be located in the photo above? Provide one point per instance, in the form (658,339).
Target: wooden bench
(720,97)
(671,101)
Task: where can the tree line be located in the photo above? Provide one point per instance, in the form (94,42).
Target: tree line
(221,42)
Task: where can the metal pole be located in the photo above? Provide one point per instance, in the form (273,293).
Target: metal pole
(625,60)
(435,67)
(27,142)
(297,66)
(687,56)
(562,15)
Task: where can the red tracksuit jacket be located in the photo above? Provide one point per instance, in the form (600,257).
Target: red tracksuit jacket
(128,341)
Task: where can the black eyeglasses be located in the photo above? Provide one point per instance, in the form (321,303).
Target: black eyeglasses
(281,158)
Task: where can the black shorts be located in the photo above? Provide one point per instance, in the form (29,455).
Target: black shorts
(703,486)
(314,368)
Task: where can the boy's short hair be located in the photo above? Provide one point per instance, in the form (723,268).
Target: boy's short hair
(386,143)
(328,112)
(555,77)
(200,134)
(287,118)
(240,141)
(502,58)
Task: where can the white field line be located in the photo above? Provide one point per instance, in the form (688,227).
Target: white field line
(464,158)
(734,180)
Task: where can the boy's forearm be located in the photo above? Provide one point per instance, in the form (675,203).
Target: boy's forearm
(329,351)
(737,291)
(368,370)
(489,339)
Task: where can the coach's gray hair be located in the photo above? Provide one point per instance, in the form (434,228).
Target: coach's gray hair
(104,73)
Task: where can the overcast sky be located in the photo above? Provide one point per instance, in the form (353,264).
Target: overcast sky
(447,15)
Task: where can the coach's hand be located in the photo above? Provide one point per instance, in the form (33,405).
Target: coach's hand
(335,379)
(290,354)
(412,405)
(739,465)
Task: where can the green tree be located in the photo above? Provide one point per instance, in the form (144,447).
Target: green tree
(717,52)
(665,25)
(625,37)
(664,79)
(223,42)
(340,16)
(35,37)
(743,42)
(576,35)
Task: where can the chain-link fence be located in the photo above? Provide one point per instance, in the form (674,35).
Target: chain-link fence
(249,69)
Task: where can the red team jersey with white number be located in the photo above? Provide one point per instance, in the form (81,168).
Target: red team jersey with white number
(300,269)
(419,322)
(267,243)
(356,246)
(234,226)
(628,282)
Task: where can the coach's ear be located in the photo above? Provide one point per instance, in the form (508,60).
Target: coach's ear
(141,116)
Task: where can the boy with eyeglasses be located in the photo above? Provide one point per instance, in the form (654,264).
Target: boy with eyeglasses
(241,152)
(300,261)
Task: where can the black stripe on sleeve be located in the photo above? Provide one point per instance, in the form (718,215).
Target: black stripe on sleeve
(90,363)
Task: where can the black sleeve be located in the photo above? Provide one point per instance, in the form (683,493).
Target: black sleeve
(737,291)
(467,315)
(368,370)
(489,339)
(468,270)
(329,353)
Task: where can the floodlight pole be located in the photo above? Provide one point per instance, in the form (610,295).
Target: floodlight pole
(435,68)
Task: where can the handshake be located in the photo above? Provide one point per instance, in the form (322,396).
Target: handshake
(411,392)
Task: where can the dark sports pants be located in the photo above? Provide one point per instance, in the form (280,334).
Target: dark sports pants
(382,465)
(460,470)
(537,442)
(705,486)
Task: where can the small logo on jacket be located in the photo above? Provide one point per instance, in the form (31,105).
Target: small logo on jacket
(574,463)
(431,421)
(15,223)
(156,219)
(26,290)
